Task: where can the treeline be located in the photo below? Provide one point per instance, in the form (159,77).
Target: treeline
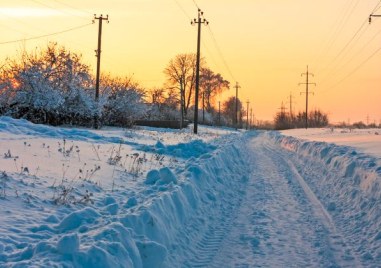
(54,86)
(315,118)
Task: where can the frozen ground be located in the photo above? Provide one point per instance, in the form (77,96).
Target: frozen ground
(159,198)
(365,140)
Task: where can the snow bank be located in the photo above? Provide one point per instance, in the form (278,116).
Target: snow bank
(349,185)
(187,150)
(24,127)
(137,227)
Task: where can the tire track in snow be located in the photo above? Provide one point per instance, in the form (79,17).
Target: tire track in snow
(279,222)
(210,243)
(272,220)
(342,254)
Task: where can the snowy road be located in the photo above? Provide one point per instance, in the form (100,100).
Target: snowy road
(220,199)
(277,221)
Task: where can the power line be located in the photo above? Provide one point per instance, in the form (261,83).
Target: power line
(350,41)
(354,70)
(21,21)
(378,6)
(13,29)
(348,46)
(220,53)
(210,54)
(345,47)
(59,10)
(334,34)
(357,54)
(46,35)
(196,4)
(72,7)
(183,10)
(307,83)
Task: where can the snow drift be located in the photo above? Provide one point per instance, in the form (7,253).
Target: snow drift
(349,185)
(140,227)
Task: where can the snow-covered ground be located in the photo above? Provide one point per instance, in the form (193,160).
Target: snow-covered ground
(365,140)
(159,198)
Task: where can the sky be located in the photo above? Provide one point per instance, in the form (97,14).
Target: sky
(264,45)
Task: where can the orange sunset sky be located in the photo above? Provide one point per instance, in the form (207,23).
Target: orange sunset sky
(265,45)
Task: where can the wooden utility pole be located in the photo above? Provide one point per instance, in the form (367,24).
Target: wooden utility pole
(282,109)
(203,107)
(237,86)
(247,115)
(198,21)
(291,115)
(181,104)
(219,113)
(251,117)
(98,55)
(372,15)
(307,74)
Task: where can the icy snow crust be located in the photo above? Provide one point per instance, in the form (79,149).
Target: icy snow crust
(219,199)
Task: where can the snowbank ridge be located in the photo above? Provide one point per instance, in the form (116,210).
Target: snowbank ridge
(134,229)
(349,185)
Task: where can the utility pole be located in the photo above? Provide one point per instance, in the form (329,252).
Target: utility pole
(291,105)
(98,55)
(237,86)
(282,109)
(219,113)
(181,104)
(251,117)
(247,115)
(372,15)
(198,21)
(307,74)
(203,107)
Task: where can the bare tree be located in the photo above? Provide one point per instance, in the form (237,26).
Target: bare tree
(181,73)
(211,85)
(228,108)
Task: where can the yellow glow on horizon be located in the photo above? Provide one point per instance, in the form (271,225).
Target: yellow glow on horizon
(266,43)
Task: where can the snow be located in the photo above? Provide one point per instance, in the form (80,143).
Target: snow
(167,198)
(364,140)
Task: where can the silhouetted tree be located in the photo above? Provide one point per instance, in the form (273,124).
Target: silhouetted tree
(211,84)
(229,111)
(316,118)
(181,73)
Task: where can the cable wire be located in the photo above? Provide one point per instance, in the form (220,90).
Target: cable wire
(355,55)
(59,10)
(336,29)
(46,35)
(196,4)
(354,70)
(183,10)
(72,7)
(220,53)
(352,41)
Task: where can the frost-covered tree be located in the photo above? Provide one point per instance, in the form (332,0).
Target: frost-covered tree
(164,104)
(47,86)
(125,101)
